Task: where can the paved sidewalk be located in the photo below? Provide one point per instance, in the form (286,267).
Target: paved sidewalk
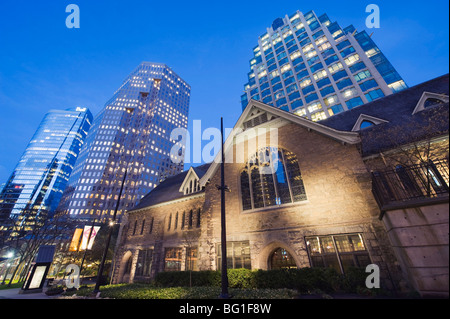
(14,294)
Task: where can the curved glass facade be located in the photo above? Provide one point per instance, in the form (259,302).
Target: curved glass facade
(39,179)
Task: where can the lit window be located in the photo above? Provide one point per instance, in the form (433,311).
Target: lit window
(320,75)
(340,252)
(172,259)
(318,116)
(272,177)
(335,67)
(352,59)
(281,259)
(238,255)
(314,107)
(398,86)
(301,112)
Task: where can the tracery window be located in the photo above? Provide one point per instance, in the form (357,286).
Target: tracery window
(271,177)
(281,259)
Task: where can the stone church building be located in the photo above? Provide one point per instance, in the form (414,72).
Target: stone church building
(306,194)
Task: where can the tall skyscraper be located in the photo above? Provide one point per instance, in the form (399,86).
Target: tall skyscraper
(312,67)
(131,135)
(39,179)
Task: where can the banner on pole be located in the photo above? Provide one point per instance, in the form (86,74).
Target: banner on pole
(87,231)
(75,239)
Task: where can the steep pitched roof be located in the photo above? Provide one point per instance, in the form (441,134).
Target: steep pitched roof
(393,108)
(168,190)
(401,117)
(255,110)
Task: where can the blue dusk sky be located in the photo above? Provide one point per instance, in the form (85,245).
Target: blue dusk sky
(44,65)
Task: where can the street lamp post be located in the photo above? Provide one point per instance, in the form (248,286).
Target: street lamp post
(223,187)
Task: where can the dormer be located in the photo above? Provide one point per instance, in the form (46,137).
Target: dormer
(430,99)
(191,183)
(365,121)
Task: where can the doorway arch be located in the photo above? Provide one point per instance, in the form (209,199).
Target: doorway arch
(125,267)
(280,258)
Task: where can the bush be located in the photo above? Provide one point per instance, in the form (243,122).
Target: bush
(143,291)
(181,279)
(304,280)
(354,280)
(53,291)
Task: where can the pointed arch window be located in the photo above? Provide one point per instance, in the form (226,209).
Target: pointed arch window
(183,220)
(271,177)
(191,219)
(169,223)
(199,212)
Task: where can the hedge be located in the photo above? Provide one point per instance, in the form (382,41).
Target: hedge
(303,280)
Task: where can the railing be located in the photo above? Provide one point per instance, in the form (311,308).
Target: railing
(411,185)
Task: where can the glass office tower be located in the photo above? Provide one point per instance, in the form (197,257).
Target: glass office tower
(310,66)
(39,179)
(130,136)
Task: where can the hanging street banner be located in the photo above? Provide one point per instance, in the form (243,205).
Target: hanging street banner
(75,243)
(87,231)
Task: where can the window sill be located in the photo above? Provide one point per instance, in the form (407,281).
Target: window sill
(265,209)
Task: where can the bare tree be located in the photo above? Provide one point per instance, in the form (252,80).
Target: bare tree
(418,140)
(28,231)
(190,238)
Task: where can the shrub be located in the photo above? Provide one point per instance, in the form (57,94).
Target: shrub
(145,291)
(304,280)
(53,291)
(353,280)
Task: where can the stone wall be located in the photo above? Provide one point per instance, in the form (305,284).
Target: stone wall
(419,237)
(339,201)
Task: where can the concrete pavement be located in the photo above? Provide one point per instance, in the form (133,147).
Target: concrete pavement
(14,294)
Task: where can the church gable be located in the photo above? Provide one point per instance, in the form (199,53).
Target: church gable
(191,183)
(258,115)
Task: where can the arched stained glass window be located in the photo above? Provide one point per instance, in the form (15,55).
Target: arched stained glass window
(272,177)
(281,259)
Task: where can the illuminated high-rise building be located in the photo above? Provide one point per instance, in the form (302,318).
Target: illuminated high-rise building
(37,183)
(130,135)
(310,66)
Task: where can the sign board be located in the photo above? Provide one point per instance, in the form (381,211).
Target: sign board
(35,278)
(38,276)
(45,254)
(38,270)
